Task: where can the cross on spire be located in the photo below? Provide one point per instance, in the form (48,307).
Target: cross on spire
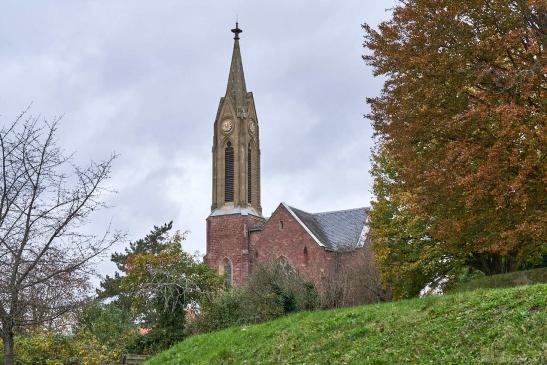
(236,31)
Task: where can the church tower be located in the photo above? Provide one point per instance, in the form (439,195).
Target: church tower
(236,153)
(236,177)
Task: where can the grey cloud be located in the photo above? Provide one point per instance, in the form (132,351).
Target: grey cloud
(144,79)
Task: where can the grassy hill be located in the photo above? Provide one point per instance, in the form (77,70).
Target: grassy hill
(483,326)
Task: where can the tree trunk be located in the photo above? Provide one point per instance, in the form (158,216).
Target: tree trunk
(9,356)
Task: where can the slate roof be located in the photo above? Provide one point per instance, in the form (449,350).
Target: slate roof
(342,230)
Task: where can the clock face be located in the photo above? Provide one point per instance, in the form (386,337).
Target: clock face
(252,127)
(227,126)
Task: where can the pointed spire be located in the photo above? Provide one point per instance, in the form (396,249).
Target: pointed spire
(236,81)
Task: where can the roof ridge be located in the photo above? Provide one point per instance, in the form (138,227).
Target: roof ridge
(331,211)
(342,210)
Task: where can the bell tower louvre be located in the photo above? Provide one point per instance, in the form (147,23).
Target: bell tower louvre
(236,176)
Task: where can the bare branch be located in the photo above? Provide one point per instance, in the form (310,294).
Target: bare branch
(45,260)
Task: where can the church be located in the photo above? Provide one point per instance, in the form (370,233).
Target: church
(322,246)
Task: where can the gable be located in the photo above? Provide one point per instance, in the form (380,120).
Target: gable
(284,216)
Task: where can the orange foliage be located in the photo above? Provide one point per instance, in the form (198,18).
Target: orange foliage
(463,112)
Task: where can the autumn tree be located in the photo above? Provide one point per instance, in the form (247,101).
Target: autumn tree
(45,258)
(151,244)
(463,112)
(158,280)
(408,257)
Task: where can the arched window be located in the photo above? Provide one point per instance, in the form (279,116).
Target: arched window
(306,256)
(249,175)
(225,268)
(285,265)
(229,173)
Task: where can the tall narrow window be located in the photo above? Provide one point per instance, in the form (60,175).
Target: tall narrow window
(229,173)
(249,175)
(226,270)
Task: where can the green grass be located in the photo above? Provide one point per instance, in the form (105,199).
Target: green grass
(486,326)
(508,280)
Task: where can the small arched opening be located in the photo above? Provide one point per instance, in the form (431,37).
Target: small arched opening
(225,268)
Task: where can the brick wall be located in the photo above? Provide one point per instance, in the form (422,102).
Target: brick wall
(227,237)
(293,241)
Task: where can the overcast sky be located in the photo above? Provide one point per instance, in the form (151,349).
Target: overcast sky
(143,79)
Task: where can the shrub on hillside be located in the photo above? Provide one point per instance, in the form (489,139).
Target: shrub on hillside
(226,309)
(109,324)
(277,286)
(49,347)
(528,277)
(274,289)
(356,282)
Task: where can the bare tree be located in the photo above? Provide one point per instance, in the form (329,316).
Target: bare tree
(356,280)
(45,259)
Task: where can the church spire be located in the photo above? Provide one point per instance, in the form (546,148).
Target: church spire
(236,88)
(236,146)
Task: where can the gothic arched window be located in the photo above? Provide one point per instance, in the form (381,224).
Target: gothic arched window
(229,173)
(226,269)
(249,175)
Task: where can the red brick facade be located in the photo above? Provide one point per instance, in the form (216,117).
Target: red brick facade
(233,237)
(282,235)
(228,237)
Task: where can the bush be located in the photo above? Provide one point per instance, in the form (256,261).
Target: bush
(48,347)
(110,324)
(278,287)
(226,309)
(157,339)
(528,277)
(273,289)
(357,281)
